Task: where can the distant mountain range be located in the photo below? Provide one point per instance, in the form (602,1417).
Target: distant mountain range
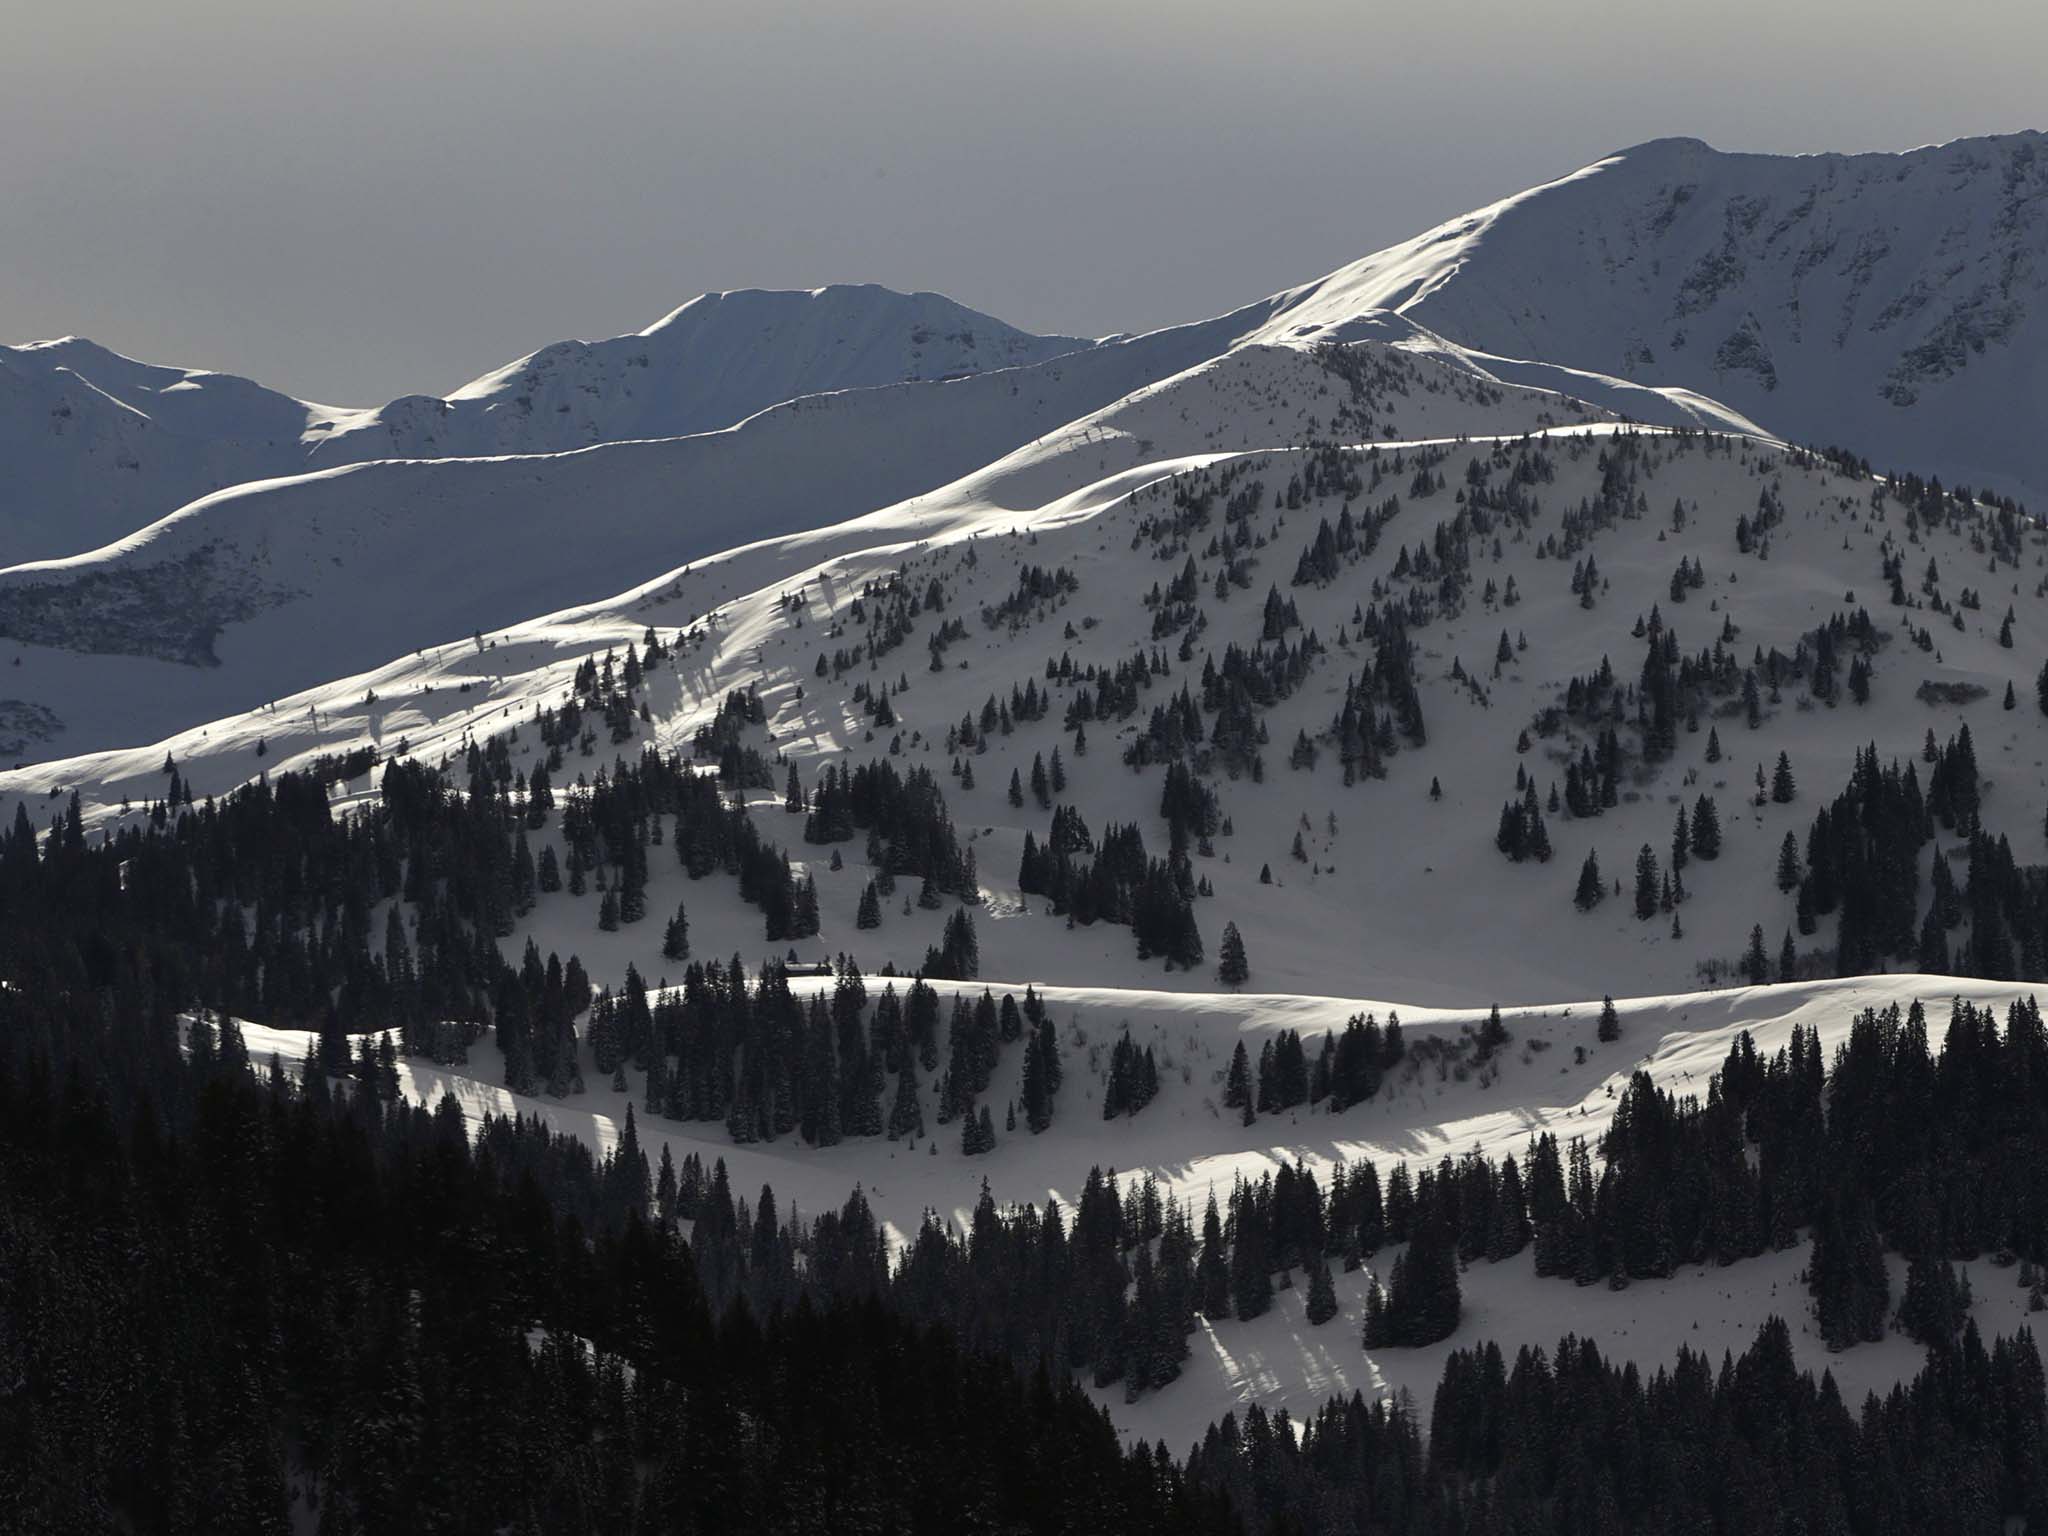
(1888,303)
(99,445)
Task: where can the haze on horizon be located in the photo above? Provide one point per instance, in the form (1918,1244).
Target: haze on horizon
(396,198)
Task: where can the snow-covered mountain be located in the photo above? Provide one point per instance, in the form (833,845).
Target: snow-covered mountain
(1894,304)
(1405,849)
(1411,646)
(212,608)
(1560,288)
(97,445)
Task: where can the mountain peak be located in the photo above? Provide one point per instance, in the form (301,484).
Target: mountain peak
(843,303)
(1893,303)
(1669,145)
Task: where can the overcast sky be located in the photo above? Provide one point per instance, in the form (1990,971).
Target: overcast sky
(381,198)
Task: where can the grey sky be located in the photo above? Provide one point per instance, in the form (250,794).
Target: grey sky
(381,198)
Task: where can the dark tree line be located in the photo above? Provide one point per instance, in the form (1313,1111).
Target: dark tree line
(769,1064)
(236,1303)
(1348,1068)
(262,904)
(1567,1441)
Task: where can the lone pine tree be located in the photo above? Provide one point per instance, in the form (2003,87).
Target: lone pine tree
(1233,968)
(1646,883)
(1782,787)
(1592,890)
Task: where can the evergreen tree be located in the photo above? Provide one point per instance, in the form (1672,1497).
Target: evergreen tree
(1756,963)
(1212,1269)
(1610,1022)
(1646,883)
(1041,1075)
(1377,1334)
(1251,1272)
(1789,871)
(1322,1295)
(675,940)
(1706,829)
(1782,788)
(1936,1303)
(906,1115)
(1592,889)
(1237,1086)
(1233,969)
(1847,1275)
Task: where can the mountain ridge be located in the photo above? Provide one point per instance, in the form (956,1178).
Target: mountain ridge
(104,444)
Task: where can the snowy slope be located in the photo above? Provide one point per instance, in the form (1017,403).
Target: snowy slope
(1427,906)
(1893,304)
(273,587)
(96,445)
